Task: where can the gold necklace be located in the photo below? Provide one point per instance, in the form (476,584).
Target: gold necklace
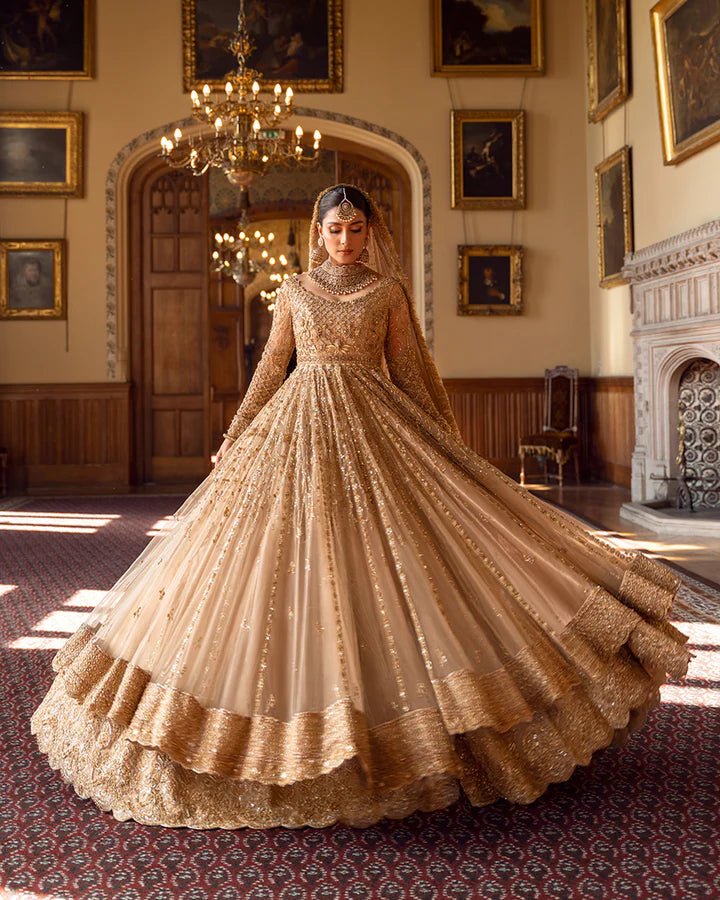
(342,279)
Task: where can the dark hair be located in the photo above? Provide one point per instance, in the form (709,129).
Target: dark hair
(335,196)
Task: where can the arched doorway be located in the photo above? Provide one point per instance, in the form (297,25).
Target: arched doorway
(194,337)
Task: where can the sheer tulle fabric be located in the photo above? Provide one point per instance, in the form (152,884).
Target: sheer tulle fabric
(354,614)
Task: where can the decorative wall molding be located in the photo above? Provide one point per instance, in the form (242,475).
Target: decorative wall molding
(690,248)
(675,288)
(145,145)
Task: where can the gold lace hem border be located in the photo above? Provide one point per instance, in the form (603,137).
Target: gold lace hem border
(606,631)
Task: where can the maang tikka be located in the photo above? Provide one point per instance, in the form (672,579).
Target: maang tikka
(346,212)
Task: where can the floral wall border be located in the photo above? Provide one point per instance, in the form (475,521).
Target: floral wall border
(153,136)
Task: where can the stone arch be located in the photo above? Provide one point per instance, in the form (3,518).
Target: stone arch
(668,374)
(338,125)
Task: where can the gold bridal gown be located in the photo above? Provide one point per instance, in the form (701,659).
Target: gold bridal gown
(354,615)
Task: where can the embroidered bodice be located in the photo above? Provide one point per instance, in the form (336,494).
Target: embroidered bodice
(361,329)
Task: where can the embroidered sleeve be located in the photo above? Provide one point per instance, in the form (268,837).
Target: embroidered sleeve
(402,361)
(270,372)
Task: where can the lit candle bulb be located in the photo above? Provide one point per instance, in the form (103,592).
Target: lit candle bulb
(278,109)
(195,98)
(226,236)
(316,135)
(264,254)
(218,123)
(256,126)
(264,158)
(277,90)
(271,260)
(299,132)
(218,237)
(242,235)
(228,88)
(206,91)
(255,88)
(178,134)
(288,95)
(261,239)
(257,234)
(215,255)
(283,259)
(271,236)
(169,146)
(163,142)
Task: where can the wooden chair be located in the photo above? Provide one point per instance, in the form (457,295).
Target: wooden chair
(559,438)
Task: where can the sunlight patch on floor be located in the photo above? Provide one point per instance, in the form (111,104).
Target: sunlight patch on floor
(162,526)
(65,620)
(87,598)
(62,523)
(31,642)
(6,588)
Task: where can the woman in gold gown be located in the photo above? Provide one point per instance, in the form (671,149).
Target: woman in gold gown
(354,616)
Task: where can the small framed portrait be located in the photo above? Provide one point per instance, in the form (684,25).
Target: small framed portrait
(500,38)
(490,280)
(32,279)
(686,38)
(607,52)
(299,45)
(488,158)
(47,40)
(41,153)
(613,205)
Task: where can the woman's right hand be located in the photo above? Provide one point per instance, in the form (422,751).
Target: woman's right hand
(224,447)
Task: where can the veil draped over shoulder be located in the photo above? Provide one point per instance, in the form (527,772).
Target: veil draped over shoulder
(385,260)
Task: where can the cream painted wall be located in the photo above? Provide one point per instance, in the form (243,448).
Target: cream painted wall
(387,64)
(666,199)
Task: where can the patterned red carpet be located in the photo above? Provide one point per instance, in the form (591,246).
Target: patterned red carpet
(638,822)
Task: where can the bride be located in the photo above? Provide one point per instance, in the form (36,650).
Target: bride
(354,616)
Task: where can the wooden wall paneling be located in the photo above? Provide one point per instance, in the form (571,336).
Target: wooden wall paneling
(612,429)
(494,413)
(66,436)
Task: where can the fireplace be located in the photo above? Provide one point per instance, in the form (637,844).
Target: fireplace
(676,335)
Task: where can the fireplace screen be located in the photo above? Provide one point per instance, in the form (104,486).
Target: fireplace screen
(699,456)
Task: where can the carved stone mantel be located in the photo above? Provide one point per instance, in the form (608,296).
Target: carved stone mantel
(675,287)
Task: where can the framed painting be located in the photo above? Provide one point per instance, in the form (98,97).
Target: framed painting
(686,38)
(32,280)
(299,45)
(607,52)
(488,158)
(500,38)
(490,280)
(41,153)
(613,206)
(47,40)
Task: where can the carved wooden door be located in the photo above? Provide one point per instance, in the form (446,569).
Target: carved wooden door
(169,346)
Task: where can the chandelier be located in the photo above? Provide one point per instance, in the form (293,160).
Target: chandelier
(244,137)
(247,254)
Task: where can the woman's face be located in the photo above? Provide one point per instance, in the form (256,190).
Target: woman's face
(343,241)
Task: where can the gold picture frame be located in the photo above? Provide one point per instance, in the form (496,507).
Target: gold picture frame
(608,74)
(217,29)
(32,279)
(465,49)
(613,208)
(48,44)
(487,158)
(490,280)
(41,153)
(686,61)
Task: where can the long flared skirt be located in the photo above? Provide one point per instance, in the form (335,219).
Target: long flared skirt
(355,617)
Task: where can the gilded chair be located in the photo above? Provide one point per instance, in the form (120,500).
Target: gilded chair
(558,440)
